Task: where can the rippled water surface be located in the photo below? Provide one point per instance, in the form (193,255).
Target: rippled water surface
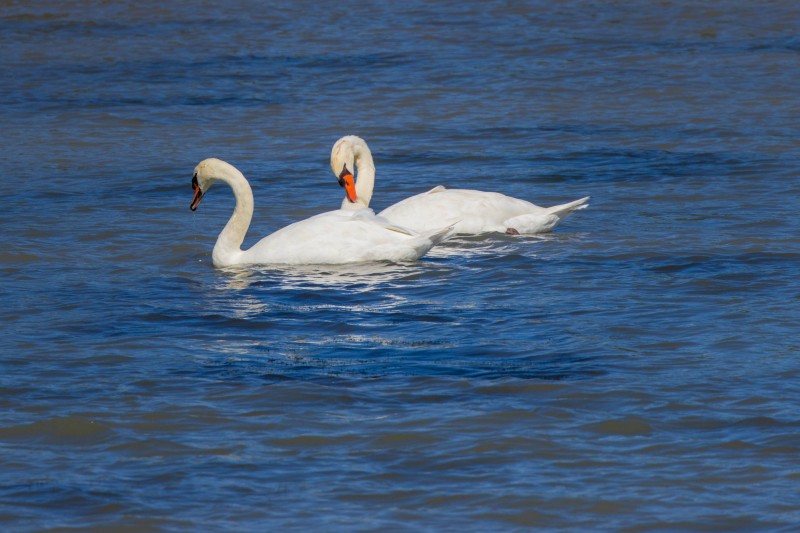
(637,369)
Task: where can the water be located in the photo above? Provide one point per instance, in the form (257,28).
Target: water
(635,370)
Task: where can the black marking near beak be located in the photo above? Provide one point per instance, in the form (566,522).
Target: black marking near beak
(342,174)
(198,194)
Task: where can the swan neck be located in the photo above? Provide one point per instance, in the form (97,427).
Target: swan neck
(365,181)
(365,176)
(229,243)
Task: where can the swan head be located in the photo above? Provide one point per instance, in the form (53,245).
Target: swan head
(206,173)
(343,164)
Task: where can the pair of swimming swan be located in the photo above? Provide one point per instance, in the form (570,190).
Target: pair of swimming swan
(402,232)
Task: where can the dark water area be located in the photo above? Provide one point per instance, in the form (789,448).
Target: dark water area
(637,369)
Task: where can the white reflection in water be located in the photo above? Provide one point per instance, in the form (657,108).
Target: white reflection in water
(365,277)
(358,277)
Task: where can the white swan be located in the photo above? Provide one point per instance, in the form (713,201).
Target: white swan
(476,211)
(334,237)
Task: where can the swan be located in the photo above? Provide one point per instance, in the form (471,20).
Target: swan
(476,212)
(333,237)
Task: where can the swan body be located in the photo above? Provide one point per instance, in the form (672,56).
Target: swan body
(333,237)
(478,212)
(472,212)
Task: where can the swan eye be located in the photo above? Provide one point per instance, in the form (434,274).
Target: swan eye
(194,182)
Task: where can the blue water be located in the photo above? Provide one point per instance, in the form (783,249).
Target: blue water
(637,369)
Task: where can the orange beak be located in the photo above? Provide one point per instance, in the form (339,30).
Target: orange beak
(349,184)
(198,195)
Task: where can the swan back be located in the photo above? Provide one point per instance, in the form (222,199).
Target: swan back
(341,236)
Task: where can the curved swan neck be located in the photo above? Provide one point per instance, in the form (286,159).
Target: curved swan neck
(229,242)
(365,175)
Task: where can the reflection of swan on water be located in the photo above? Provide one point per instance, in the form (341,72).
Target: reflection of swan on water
(334,237)
(476,212)
(356,277)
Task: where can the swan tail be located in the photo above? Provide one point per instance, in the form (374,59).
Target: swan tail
(542,221)
(423,242)
(439,235)
(565,209)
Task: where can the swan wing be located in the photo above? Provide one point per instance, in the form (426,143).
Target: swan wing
(369,215)
(476,212)
(336,237)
